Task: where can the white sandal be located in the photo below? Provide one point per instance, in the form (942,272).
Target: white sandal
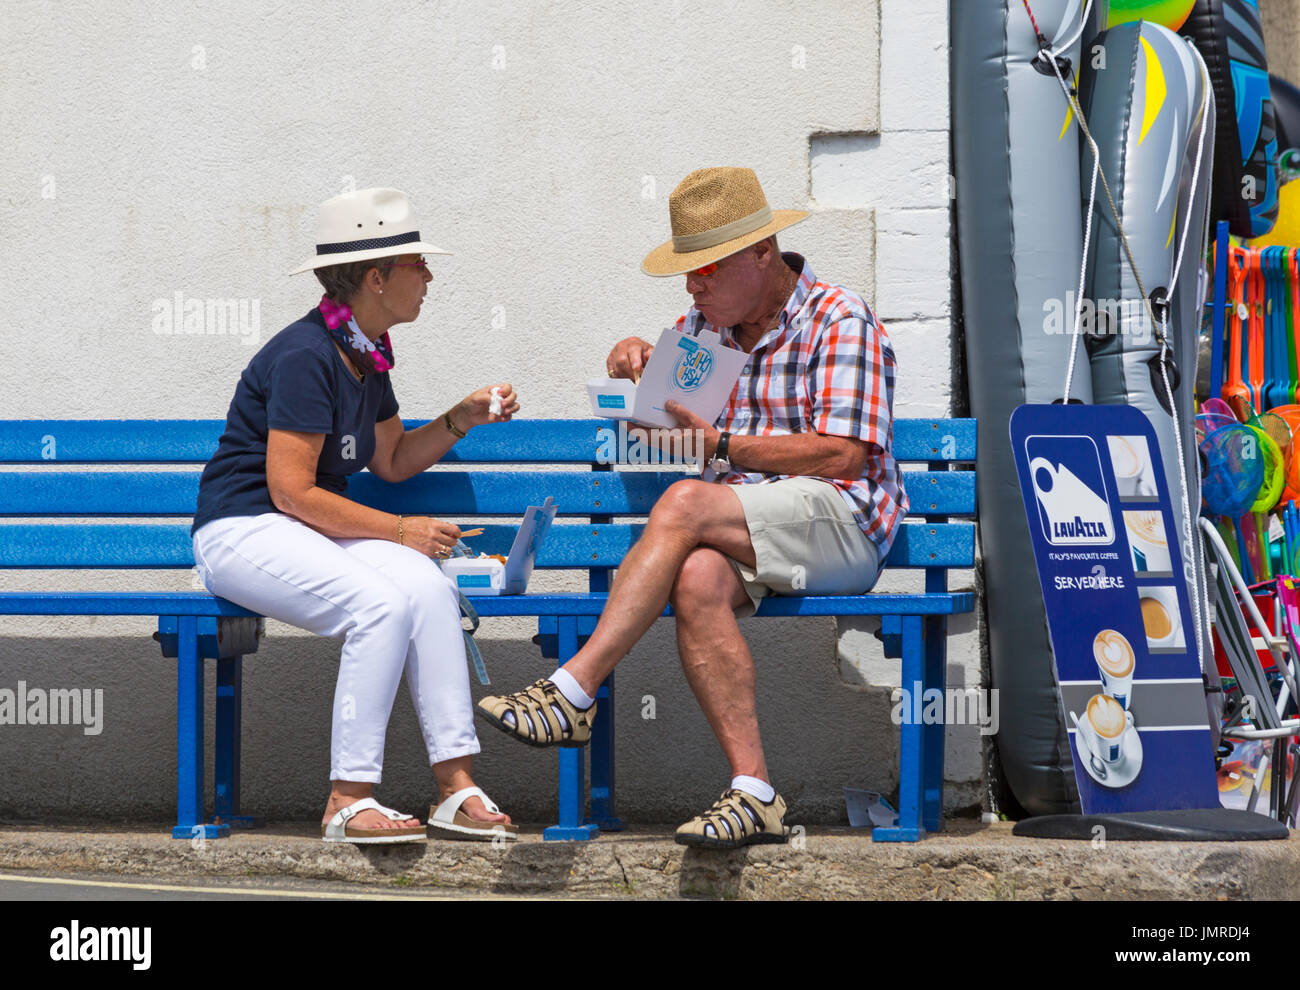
(448,817)
(338,829)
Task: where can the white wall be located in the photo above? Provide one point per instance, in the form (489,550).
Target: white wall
(153,150)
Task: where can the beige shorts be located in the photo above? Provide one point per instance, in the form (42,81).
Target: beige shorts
(806,542)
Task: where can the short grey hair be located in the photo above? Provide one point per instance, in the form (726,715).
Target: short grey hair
(342,282)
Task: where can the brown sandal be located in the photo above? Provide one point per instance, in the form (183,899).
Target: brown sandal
(737,819)
(535,720)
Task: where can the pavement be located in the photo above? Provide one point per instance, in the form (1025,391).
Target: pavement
(967,861)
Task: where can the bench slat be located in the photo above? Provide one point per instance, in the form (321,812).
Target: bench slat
(439,493)
(201,603)
(567,546)
(166,441)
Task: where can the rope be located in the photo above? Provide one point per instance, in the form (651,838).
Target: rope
(1083,269)
(1042,42)
(1083,22)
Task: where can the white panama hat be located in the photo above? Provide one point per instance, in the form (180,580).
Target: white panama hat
(366,224)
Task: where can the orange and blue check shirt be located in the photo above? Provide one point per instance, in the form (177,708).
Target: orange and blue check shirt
(827,367)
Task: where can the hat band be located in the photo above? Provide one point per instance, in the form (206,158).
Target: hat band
(686,243)
(369,244)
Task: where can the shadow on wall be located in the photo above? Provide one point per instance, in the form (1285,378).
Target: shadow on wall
(819,736)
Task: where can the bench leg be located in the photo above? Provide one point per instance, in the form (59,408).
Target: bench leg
(602,761)
(936,658)
(189,737)
(911,741)
(230,694)
(572,776)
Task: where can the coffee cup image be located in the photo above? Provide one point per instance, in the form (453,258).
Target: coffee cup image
(1115,661)
(1148,543)
(1161,619)
(1131,461)
(1108,743)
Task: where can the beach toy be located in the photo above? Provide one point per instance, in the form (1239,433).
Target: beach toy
(1169,13)
(1230,36)
(1234,471)
(1232,478)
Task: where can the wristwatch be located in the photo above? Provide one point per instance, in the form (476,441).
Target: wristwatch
(720,464)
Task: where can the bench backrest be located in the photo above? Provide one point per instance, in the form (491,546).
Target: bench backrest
(146,469)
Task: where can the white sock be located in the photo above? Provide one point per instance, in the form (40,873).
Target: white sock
(761,789)
(571,689)
(573,693)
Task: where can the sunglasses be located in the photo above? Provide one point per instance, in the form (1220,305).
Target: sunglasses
(420,263)
(706,270)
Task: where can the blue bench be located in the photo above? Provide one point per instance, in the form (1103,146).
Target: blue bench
(195,625)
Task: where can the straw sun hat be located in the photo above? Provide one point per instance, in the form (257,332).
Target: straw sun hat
(715,212)
(363,225)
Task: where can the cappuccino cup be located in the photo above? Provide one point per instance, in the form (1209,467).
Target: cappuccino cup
(1114,656)
(1147,540)
(1160,616)
(1103,728)
(1128,465)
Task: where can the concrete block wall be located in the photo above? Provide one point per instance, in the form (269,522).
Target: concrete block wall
(902,175)
(1281,19)
(184,151)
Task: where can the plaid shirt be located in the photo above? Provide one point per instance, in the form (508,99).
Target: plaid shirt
(827,367)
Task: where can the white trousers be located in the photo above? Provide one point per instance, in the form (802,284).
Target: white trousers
(393,607)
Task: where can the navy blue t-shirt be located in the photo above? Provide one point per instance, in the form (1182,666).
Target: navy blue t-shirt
(298,381)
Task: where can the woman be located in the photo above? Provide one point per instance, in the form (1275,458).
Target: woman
(275,533)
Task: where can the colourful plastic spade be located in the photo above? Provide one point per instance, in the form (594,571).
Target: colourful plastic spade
(1271,342)
(1277,378)
(1293,318)
(1235,392)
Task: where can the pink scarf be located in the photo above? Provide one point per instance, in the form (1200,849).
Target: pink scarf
(369,355)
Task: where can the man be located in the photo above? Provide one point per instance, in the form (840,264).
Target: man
(806,497)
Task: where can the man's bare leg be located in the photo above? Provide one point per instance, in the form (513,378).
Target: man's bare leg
(690,514)
(716,658)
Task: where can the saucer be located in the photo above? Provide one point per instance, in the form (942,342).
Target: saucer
(1124,772)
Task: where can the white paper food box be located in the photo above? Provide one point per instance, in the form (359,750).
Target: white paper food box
(695,370)
(487,575)
(476,575)
(612,398)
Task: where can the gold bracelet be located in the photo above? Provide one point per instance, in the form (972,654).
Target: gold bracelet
(399,530)
(451,427)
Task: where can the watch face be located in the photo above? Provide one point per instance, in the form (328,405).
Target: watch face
(720,466)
